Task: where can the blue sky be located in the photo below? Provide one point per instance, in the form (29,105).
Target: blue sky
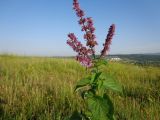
(40,27)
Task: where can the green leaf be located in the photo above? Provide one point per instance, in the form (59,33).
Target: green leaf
(100,84)
(101,107)
(101,91)
(110,113)
(95,76)
(83,82)
(109,82)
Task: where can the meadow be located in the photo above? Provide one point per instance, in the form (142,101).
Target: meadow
(37,88)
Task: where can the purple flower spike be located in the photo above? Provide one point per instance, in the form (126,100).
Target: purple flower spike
(108,40)
(83,52)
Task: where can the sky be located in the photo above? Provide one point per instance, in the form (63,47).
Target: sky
(40,27)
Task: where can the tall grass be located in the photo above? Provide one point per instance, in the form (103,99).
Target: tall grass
(42,89)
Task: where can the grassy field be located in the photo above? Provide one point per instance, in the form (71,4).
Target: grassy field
(42,89)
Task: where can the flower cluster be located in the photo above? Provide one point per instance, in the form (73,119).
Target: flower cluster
(108,40)
(79,12)
(86,24)
(83,52)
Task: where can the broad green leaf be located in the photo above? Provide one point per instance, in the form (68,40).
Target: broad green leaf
(101,107)
(83,82)
(109,82)
(110,113)
(95,76)
(100,84)
(101,91)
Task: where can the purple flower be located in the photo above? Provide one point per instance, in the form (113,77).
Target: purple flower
(86,24)
(108,40)
(83,52)
(76,7)
(80,13)
(84,60)
(82,21)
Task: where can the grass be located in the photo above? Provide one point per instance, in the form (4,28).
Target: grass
(42,89)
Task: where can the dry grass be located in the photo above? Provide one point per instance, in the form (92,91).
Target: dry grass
(42,89)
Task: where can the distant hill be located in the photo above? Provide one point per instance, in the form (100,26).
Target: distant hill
(141,59)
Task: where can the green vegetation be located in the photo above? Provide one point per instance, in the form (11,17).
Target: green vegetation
(42,89)
(140,59)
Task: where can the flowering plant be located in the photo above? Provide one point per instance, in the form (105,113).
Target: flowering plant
(94,87)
